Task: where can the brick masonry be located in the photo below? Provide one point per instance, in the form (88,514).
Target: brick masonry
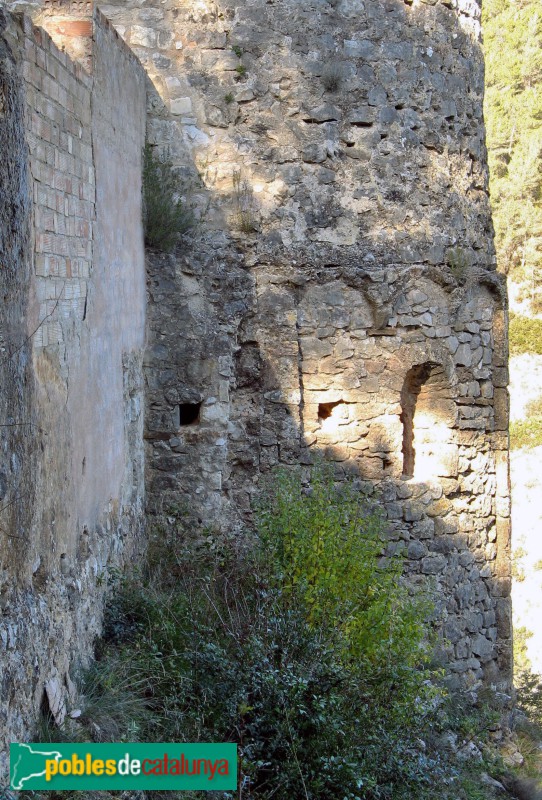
(58,95)
(73,329)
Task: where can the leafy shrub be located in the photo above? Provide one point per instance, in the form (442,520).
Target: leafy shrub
(302,645)
(165,215)
(304,648)
(328,543)
(525,335)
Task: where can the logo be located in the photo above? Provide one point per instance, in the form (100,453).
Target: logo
(123,766)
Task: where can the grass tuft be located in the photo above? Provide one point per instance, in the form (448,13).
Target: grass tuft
(332,76)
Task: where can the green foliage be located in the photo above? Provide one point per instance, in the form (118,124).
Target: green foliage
(526,433)
(237,50)
(513,112)
(301,645)
(329,545)
(529,696)
(165,215)
(525,335)
(528,722)
(302,648)
(529,725)
(241,70)
(228,98)
(458,262)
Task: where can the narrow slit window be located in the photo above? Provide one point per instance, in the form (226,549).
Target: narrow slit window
(414,380)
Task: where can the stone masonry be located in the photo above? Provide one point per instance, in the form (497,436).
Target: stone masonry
(338,296)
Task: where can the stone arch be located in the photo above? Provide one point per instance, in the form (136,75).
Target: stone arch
(428,415)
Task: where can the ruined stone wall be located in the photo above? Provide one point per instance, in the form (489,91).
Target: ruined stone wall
(339,295)
(72,331)
(337,298)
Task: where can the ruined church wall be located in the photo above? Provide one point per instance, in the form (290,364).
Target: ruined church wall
(75,293)
(341,278)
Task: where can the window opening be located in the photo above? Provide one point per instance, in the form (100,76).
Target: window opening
(325,410)
(189,413)
(412,386)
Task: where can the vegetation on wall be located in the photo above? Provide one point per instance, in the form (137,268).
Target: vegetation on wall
(513,113)
(166,215)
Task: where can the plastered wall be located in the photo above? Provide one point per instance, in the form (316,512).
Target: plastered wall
(73,330)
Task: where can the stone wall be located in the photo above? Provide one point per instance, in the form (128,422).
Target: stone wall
(337,298)
(339,295)
(72,334)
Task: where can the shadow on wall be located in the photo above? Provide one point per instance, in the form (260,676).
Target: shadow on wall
(19,433)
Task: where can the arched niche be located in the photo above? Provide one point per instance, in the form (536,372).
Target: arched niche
(428,416)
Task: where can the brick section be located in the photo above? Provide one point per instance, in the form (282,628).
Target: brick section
(62,170)
(79,8)
(69,23)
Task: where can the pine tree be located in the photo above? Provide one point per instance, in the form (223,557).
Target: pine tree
(513,111)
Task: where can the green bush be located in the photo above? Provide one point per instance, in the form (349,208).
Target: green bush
(525,335)
(165,216)
(306,648)
(301,644)
(328,544)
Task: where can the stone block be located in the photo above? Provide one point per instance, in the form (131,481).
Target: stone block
(463,355)
(416,550)
(142,37)
(433,565)
(181,105)
(501,377)
(482,647)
